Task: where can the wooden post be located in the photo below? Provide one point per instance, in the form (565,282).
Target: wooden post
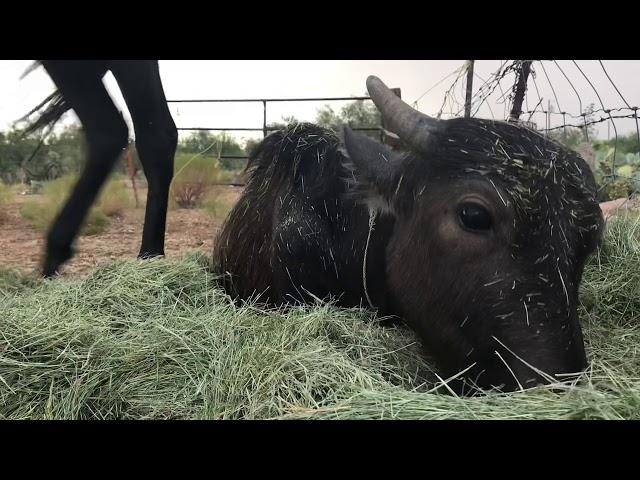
(519,89)
(467,102)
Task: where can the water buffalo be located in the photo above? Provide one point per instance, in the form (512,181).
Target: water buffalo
(475,234)
(79,87)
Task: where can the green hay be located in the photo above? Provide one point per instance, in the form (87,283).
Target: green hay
(157,339)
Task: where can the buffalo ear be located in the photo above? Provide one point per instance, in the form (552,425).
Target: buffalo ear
(375,167)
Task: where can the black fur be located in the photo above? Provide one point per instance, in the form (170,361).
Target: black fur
(79,87)
(477,299)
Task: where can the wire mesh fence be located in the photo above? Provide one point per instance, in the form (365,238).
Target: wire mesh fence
(529,94)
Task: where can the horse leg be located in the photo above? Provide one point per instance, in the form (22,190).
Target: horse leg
(156,142)
(106,134)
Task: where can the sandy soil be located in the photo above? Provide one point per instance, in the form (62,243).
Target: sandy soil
(22,246)
(620,205)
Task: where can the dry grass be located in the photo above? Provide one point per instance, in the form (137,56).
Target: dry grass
(6,195)
(194,179)
(114,199)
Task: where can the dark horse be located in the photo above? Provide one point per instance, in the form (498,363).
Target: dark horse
(79,87)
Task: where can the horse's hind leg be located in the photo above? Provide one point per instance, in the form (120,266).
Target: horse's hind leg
(156,141)
(106,134)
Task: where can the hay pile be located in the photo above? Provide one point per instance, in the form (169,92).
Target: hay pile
(156,339)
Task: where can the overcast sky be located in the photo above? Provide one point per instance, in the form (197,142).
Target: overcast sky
(187,79)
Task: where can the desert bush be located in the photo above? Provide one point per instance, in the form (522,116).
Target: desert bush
(216,204)
(6,192)
(42,212)
(194,177)
(115,197)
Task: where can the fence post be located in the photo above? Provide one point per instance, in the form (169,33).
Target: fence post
(519,89)
(467,102)
(264,118)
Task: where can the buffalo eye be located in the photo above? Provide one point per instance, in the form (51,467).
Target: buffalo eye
(474,217)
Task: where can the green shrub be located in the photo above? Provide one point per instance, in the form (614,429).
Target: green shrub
(6,193)
(115,197)
(215,203)
(42,212)
(194,177)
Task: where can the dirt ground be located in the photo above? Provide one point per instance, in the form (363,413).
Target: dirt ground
(620,205)
(21,245)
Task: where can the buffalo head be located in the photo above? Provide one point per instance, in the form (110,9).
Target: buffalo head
(493,225)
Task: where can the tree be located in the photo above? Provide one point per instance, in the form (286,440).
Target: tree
(69,145)
(213,145)
(10,159)
(356,114)
(286,121)
(24,158)
(250,146)
(17,151)
(625,143)
(361,114)
(198,142)
(327,118)
(570,137)
(252,143)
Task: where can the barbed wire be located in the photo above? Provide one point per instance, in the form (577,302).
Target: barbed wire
(448,92)
(485,90)
(493,90)
(488,105)
(489,86)
(623,99)
(415,102)
(593,122)
(551,85)
(587,112)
